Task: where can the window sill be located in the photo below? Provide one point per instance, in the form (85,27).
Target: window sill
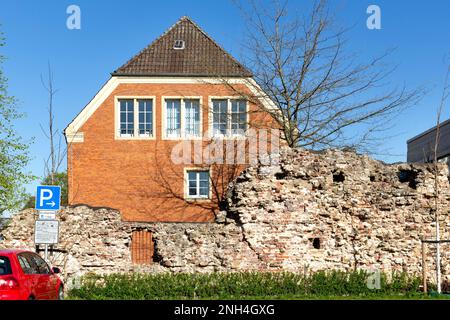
(143,137)
(199,199)
(184,138)
(229,137)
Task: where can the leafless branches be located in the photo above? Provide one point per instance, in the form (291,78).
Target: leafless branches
(57,151)
(319,90)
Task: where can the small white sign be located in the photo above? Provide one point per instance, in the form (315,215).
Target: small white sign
(50,215)
(46,232)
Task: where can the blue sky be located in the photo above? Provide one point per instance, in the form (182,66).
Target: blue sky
(113,31)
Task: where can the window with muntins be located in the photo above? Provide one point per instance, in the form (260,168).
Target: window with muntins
(126,117)
(220,117)
(192,116)
(229,117)
(145,117)
(173,113)
(238,116)
(182,118)
(198,184)
(136,117)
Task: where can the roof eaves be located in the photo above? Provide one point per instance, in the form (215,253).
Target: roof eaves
(181,75)
(420,135)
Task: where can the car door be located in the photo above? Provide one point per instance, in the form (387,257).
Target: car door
(30,274)
(46,282)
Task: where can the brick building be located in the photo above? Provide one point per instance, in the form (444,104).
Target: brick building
(421,147)
(181,87)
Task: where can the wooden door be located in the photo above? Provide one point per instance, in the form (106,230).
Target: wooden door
(142,247)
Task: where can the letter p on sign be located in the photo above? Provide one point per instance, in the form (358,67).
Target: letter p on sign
(48,198)
(45,195)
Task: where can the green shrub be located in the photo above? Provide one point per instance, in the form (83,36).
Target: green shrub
(240,285)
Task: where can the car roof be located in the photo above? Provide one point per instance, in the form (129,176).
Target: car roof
(12,251)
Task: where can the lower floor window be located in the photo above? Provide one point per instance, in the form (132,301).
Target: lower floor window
(198,183)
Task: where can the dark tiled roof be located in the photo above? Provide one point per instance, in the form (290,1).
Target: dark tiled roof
(202,56)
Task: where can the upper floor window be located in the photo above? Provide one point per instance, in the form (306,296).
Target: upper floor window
(220,117)
(145,117)
(126,117)
(173,118)
(136,117)
(192,117)
(182,118)
(229,117)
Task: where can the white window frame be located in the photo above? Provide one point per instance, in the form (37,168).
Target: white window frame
(136,135)
(229,135)
(127,135)
(136,101)
(186,184)
(182,115)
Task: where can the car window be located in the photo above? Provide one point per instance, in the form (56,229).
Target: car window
(5,266)
(26,265)
(41,265)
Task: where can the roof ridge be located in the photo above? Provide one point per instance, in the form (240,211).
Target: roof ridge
(215,43)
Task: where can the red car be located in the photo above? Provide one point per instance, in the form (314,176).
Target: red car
(24,275)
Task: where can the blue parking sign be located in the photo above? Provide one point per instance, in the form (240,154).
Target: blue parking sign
(48,198)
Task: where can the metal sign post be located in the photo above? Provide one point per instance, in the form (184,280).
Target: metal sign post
(46,232)
(46,252)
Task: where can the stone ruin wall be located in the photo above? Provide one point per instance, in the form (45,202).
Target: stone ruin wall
(310,211)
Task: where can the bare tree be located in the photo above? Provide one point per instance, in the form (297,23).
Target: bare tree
(445,95)
(57,152)
(318,90)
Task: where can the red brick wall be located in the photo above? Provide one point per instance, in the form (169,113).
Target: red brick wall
(138,177)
